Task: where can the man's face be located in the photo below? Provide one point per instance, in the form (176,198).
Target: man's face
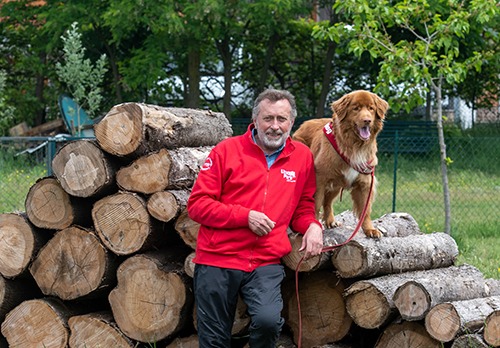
(273,124)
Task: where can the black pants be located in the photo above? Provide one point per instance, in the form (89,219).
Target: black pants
(216,293)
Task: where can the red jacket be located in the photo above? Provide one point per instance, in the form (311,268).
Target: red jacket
(234,180)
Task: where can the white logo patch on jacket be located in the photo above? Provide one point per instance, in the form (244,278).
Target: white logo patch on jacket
(289,175)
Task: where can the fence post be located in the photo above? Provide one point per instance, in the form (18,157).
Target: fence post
(51,151)
(395,170)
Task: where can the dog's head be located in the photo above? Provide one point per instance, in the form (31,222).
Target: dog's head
(361,111)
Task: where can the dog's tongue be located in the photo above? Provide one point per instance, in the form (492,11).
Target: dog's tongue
(364,132)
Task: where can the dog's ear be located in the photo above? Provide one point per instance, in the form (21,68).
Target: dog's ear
(339,107)
(382,106)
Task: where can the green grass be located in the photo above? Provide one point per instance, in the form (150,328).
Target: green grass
(473,180)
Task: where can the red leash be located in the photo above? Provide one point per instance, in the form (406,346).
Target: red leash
(329,248)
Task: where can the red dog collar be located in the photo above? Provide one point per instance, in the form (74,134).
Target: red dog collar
(363,168)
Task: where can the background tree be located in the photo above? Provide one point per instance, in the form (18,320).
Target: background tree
(427,55)
(79,75)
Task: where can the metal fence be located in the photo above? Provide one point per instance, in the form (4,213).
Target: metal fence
(408,181)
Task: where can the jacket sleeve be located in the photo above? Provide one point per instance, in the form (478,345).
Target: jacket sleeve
(305,213)
(204,204)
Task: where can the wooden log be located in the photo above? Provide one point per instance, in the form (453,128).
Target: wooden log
(469,341)
(74,264)
(407,335)
(371,257)
(184,342)
(15,291)
(19,243)
(51,127)
(124,225)
(163,169)
(369,301)
(187,229)
(135,129)
(83,169)
(167,205)
(416,297)
(37,323)
(49,206)
(153,299)
(391,225)
(446,321)
(492,328)
(493,287)
(189,264)
(324,315)
(96,330)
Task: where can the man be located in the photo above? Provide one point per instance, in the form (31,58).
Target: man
(249,190)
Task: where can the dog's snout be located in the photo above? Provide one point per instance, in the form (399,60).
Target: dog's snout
(367,121)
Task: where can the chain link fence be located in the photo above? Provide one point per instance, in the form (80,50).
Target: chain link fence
(409,178)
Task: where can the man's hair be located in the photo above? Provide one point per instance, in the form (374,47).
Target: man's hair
(274,95)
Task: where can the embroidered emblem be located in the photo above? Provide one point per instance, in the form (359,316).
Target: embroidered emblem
(208,164)
(289,175)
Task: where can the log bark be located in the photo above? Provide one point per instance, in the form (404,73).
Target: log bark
(167,205)
(48,206)
(74,264)
(19,243)
(416,297)
(187,229)
(492,329)
(124,225)
(391,225)
(370,257)
(469,341)
(163,169)
(407,335)
(134,129)
(37,323)
(189,264)
(96,330)
(153,298)
(324,315)
(448,320)
(83,169)
(369,301)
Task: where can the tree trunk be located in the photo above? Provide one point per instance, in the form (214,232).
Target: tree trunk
(83,169)
(49,206)
(368,257)
(369,301)
(167,205)
(327,76)
(193,96)
(324,315)
(96,330)
(134,129)
(448,320)
(416,297)
(124,224)
(153,299)
(187,229)
(37,323)
(19,243)
(407,335)
(469,341)
(492,329)
(164,169)
(74,264)
(391,225)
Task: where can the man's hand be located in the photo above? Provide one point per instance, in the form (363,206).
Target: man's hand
(312,241)
(259,223)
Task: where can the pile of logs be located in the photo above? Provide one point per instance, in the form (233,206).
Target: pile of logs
(102,256)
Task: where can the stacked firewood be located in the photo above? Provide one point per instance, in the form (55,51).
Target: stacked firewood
(102,256)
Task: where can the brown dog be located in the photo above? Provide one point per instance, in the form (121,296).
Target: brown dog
(356,121)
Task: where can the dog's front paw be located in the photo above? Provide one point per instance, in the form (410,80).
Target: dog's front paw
(373,233)
(331,223)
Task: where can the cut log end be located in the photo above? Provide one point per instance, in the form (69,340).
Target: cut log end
(443,322)
(492,329)
(367,306)
(412,301)
(408,335)
(349,260)
(16,244)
